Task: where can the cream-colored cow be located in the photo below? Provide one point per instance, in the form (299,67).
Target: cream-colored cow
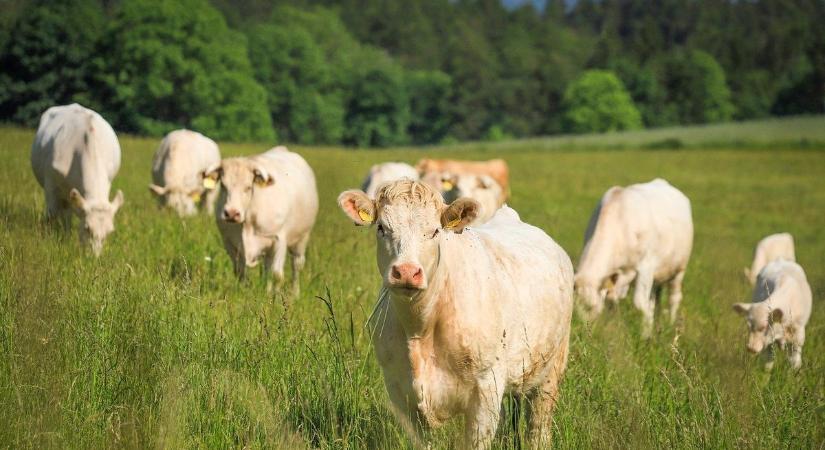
(267,206)
(177,171)
(642,232)
(431,171)
(75,156)
(386,172)
(780,309)
(773,247)
(481,188)
(465,315)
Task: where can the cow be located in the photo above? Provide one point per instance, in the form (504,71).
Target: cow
(437,172)
(779,311)
(642,232)
(386,172)
(75,156)
(464,315)
(177,171)
(775,246)
(267,206)
(481,188)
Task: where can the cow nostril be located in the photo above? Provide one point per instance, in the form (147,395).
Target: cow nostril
(396,274)
(417,275)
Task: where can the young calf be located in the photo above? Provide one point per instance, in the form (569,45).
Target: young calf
(779,310)
(267,206)
(177,169)
(75,156)
(481,188)
(386,172)
(775,246)
(465,316)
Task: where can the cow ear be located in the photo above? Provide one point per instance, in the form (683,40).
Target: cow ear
(77,200)
(211,175)
(742,308)
(776,315)
(157,190)
(357,206)
(459,214)
(262,177)
(422,165)
(448,181)
(117,202)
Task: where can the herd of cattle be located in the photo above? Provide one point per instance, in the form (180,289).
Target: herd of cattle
(475,302)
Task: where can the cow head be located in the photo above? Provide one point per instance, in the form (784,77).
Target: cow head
(183,200)
(410,219)
(97,218)
(764,324)
(239,177)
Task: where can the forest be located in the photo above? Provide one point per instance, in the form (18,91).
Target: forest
(376,73)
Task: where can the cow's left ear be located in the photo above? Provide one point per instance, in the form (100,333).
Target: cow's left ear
(459,214)
(262,177)
(211,175)
(117,202)
(776,315)
(359,207)
(77,200)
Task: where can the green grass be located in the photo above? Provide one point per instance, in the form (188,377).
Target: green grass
(155,344)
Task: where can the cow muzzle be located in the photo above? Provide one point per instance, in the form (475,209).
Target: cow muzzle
(231,215)
(407,276)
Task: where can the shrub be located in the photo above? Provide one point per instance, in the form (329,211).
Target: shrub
(598,102)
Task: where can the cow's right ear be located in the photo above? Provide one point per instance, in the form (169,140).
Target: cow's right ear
(459,214)
(77,200)
(357,206)
(742,308)
(211,176)
(157,190)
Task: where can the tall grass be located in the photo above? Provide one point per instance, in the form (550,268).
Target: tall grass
(155,344)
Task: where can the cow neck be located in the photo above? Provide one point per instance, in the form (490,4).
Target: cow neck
(418,315)
(96,184)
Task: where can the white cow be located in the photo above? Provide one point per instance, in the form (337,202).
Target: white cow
(481,188)
(267,206)
(75,157)
(775,246)
(642,232)
(386,172)
(177,171)
(465,317)
(780,309)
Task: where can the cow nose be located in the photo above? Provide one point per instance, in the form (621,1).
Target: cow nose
(231,215)
(407,274)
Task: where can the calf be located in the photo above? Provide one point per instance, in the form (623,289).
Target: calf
(386,172)
(775,246)
(75,156)
(432,171)
(642,232)
(267,206)
(780,308)
(465,316)
(481,188)
(177,171)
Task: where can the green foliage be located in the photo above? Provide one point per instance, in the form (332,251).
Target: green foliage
(429,93)
(45,60)
(696,87)
(171,64)
(599,102)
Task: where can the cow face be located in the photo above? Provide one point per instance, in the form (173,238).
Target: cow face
(764,324)
(97,218)
(590,298)
(410,219)
(239,178)
(182,200)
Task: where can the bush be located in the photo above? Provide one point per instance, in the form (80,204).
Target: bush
(598,102)
(429,93)
(696,87)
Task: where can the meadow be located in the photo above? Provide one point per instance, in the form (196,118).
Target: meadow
(156,344)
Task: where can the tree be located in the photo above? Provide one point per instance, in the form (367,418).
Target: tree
(696,87)
(429,93)
(170,64)
(599,102)
(45,59)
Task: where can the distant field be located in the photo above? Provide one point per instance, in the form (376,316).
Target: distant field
(155,344)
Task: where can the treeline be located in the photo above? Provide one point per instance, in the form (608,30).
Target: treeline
(378,72)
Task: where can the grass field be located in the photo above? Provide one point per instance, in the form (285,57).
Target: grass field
(155,344)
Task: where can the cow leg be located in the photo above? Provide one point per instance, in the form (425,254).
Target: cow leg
(211,199)
(481,419)
(796,348)
(278,259)
(644,301)
(237,258)
(675,295)
(543,401)
(769,356)
(298,252)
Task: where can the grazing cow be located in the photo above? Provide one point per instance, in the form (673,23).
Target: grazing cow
(267,205)
(75,157)
(775,246)
(432,172)
(386,172)
(642,232)
(780,308)
(177,171)
(481,188)
(465,316)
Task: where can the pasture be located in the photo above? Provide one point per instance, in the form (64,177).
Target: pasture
(156,344)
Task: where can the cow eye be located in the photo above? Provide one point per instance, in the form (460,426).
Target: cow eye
(380,229)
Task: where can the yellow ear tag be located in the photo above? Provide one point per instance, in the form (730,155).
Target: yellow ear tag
(209,183)
(195,196)
(365,216)
(447,185)
(453,223)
